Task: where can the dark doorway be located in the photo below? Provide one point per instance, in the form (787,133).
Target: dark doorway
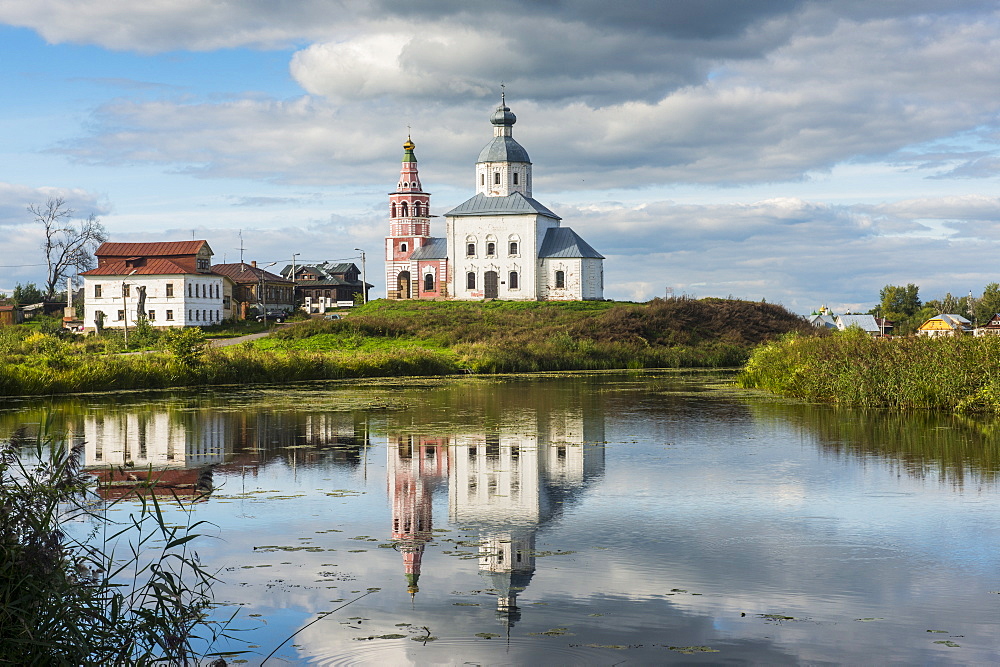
(490,285)
(403,285)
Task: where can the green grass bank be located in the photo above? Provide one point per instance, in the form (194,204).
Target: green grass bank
(385,338)
(851,368)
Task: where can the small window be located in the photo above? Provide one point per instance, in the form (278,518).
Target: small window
(97,291)
(560,279)
(189,290)
(429,282)
(126,289)
(470,249)
(152,315)
(403,210)
(515,178)
(491,249)
(170,289)
(482,179)
(392,210)
(513,247)
(121,315)
(170,315)
(402,247)
(470,280)
(496,178)
(512,282)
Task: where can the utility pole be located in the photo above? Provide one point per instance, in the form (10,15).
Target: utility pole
(364,278)
(292,278)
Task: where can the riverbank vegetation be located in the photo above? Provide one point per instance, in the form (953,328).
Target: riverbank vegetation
(851,368)
(386,338)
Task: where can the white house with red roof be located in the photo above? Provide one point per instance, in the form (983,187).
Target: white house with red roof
(170,284)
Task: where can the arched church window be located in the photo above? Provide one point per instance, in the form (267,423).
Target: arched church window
(491,249)
(470,280)
(416,209)
(403,209)
(402,247)
(512,280)
(513,248)
(560,279)
(496,178)
(470,249)
(392,210)
(482,179)
(429,282)
(515,178)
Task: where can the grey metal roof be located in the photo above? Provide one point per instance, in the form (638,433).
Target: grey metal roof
(512,204)
(865,322)
(564,242)
(433,249)
(503,149)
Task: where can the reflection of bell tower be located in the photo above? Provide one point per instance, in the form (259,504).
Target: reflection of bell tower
(506,564)
(414,466)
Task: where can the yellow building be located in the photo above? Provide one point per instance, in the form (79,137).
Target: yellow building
(945,325)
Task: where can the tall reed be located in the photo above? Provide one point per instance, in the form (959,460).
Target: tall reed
(851,368)
(75,601)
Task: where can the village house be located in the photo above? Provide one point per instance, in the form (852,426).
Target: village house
(945,325)
(866,323)
(253,291)
(500,244)
(169,284)
(326,285)
(991,328)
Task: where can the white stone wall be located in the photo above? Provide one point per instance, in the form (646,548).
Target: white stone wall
(527,230)
(196,300)
(583,278)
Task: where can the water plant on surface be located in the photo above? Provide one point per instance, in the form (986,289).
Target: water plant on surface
(82,601)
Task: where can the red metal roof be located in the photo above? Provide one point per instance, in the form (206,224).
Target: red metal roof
(158,249)
(153,267)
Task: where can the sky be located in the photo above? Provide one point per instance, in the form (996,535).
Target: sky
(806,152)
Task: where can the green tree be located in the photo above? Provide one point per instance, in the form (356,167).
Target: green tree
(988,304)
(27,294)
(899,302)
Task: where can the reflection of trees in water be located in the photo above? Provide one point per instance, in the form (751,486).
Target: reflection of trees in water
(958,449)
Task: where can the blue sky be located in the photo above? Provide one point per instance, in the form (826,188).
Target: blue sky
(801,152)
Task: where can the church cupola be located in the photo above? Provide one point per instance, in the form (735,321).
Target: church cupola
(409,205)
(503,167)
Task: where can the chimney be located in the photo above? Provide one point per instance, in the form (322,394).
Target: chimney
(253,263)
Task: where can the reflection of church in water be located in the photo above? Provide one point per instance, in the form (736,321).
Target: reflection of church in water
(505,485)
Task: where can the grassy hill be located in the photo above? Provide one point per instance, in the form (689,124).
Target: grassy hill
(500,336)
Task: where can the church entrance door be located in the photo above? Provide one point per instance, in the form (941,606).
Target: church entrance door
(490,285)
(403,285)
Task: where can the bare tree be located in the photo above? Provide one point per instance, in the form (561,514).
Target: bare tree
(69,244)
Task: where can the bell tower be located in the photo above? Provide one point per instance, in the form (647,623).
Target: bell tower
(409,227)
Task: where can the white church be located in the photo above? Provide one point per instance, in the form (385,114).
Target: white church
(500,244)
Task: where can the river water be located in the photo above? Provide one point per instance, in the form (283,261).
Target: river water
(609,518)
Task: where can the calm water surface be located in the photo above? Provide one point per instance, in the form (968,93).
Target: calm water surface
(575,519)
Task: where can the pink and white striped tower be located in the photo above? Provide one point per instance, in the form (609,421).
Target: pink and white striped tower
(409,229)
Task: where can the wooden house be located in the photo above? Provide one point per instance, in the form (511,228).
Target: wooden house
(945,325)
